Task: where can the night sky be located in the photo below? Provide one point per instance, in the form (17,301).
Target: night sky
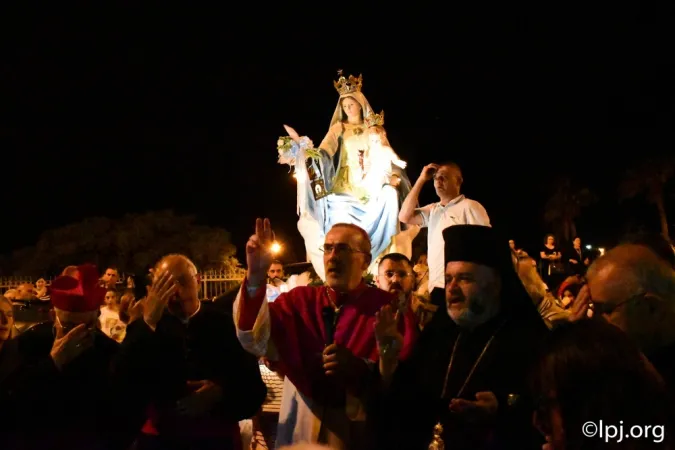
(102,125)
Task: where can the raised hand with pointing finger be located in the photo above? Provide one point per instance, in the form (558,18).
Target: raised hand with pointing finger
(258,252)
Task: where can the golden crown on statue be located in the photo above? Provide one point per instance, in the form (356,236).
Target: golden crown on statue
(348,85)
(375,120)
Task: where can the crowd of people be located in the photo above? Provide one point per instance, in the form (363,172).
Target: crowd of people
(475,346)
(361,368)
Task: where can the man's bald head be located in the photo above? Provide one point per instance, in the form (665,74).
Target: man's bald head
(179,266)
(71,271)
(655,242)
(184,273)
(634,289)
(628,270)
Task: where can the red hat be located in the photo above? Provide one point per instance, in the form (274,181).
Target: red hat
(82,294)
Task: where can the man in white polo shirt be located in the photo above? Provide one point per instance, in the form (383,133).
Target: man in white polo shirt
(452,209)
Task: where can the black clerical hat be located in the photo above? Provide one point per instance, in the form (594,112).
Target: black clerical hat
(477,244)
(484,245)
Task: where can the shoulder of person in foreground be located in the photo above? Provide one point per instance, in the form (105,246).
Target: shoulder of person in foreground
(37,340)
(307,446)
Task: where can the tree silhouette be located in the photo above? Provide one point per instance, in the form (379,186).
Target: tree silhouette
(132,243)
(650,179)
(564,206)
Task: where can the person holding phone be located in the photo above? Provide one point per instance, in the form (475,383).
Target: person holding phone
(451,209)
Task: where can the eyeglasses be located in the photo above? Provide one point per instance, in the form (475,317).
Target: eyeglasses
(606,308)
(401,274)
(340,249)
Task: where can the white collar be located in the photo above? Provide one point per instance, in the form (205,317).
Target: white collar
(187,319)
(453,202)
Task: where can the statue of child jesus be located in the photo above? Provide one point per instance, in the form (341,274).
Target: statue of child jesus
(380,162)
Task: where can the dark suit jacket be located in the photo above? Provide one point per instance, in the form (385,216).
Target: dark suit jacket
(79,406)
(158,365)
(404,416)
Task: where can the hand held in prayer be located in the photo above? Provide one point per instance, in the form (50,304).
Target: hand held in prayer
(581,305)
(483,409)
(389,340)
(135,311)
(206,394)
(428,172)
(126,302)
(69,346)
(162,289)
(258,252)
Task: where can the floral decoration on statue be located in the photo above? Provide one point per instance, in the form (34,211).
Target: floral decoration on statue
(288,149)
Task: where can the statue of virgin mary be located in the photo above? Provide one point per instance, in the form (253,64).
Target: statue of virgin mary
(342,163)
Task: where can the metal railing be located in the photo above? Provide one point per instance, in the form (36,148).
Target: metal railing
(214,283)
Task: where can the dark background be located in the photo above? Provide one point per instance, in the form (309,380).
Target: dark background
(177,115)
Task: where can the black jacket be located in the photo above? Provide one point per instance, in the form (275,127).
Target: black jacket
(158,365)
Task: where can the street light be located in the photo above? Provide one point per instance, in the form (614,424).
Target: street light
(276,248)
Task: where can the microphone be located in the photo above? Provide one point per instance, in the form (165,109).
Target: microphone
(330,317)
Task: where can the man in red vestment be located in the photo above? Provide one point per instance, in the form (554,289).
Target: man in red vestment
(321,338)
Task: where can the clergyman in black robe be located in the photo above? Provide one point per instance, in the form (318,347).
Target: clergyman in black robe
(490,330)
(192,381)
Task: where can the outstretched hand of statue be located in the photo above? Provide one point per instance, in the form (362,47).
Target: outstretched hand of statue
(400,163)
(292,133)
(258,252)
